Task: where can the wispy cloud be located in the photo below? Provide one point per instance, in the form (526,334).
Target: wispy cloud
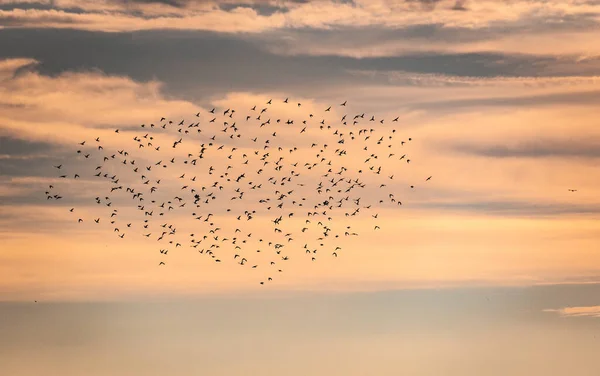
(437,80)
(8,67)
(534,149)
(593,311)
(61,109)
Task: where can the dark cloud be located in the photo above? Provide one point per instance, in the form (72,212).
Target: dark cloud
(192,64)
(197,65)
(466,64)
(34,194)
(124,7)
(262,9)
(23,158)
(24,5)
(8,20)
(17,147)
(430,5)
(45,5)
(534,149)
(38,166)
(460,5)
(172,3)
(424,4)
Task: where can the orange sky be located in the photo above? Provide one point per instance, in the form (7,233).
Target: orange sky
(503,148)
(490,268)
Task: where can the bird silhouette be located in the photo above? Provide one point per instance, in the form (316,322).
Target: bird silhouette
(289,175)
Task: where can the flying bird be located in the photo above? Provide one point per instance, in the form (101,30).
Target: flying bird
(299,190)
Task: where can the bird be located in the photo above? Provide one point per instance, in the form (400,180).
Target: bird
(245,175)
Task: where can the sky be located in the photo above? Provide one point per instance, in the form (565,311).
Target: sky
(491,267)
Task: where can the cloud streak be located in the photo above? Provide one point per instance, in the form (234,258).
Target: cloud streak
(535,149)
(573,312)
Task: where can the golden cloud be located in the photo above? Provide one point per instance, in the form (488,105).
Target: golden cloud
(593,311)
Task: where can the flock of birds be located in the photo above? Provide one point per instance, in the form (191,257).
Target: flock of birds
(287,174)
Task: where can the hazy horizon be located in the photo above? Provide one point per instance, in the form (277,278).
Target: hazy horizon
(490,331)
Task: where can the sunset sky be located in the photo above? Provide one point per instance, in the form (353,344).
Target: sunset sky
(490,268)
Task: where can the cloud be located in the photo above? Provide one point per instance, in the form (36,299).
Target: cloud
(574,99)
(593,311)
(373,28)
(259,16)
(588,149)
(13,147)
(234,21)
(511,208)
(43,119)
(174,58)
(63,108)
(503,37)
(406,78)
(9,67)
